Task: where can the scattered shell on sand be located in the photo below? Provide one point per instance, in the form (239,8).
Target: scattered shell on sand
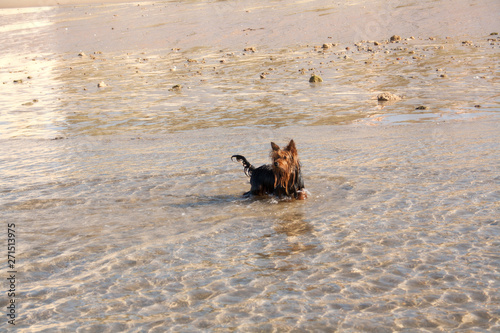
(386,96)
(315,78)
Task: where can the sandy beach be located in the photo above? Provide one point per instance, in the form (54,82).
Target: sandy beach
(44,3)
(125,211)
(230,23)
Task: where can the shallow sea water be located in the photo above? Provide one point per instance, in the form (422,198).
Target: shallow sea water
(129,212)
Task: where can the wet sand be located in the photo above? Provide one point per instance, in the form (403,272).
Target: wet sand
(117,126)
(242,70)
(43,3)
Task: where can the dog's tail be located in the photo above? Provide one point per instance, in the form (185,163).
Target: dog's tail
(248,168)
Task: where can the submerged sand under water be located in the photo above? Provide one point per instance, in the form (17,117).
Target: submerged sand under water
(119,233)
(129,212)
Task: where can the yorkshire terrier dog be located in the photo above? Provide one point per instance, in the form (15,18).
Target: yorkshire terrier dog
(281,178)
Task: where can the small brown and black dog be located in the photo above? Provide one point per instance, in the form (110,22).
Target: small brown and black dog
(282,177)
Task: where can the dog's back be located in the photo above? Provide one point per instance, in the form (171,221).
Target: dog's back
(262,180)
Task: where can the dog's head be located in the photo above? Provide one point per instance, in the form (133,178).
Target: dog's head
(284,160)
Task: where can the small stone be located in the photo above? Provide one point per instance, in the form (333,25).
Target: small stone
(395,38)
(477,106)
(327,46)
(101,84)
(250,49)
(81,54)
(386,96)
(494,34)
(315,78)
(18,81)
(421,107)
(176,87)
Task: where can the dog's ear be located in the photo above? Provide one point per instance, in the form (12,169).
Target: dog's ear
(291,147)
(274,146)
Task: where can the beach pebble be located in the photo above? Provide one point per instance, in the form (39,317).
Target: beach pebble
(386,96)
(176,87)
(421,107)
(81,54)
(395,38)
(250,49)
(102,84)
(31,103)
(315,78)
